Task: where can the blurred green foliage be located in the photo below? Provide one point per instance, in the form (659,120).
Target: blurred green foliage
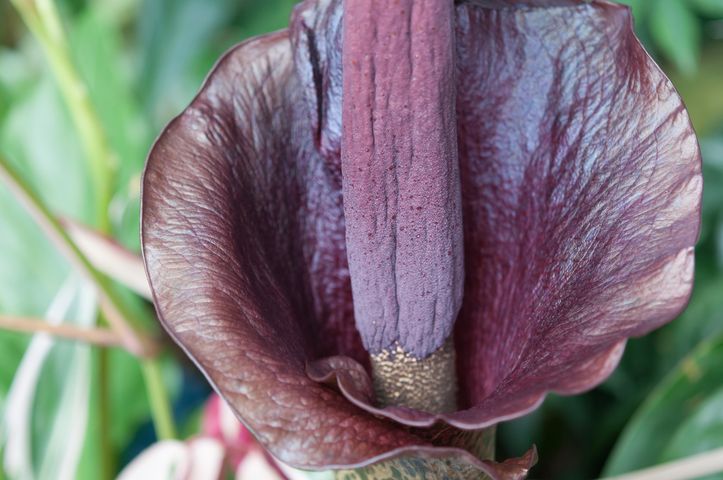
(143,60)
(682,416)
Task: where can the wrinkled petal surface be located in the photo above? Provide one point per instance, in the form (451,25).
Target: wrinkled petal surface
(581,190)
(580,194)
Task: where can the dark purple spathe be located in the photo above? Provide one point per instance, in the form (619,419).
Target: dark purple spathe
(580,186)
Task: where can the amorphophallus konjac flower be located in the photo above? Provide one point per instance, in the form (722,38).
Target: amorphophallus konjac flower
(397,222)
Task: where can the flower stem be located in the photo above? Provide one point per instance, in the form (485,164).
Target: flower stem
(42,19)
(94,336)
(158,398)
(107,454)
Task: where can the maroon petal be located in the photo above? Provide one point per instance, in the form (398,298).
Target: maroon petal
(581,184)
(581,197)
(228,192)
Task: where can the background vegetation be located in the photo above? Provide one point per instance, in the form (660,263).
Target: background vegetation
(66,405)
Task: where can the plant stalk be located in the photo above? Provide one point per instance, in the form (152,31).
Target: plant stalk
(107,455)
(42,19)
(158,399)
(93,336)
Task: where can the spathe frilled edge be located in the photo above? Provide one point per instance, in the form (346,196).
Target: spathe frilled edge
(351,379)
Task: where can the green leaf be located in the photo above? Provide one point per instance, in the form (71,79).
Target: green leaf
(96,42)
(38,134)
(704,427)
(32,270)
(12,347)
(179,41)
(676,32)
(677,408)
(47,406)
(53,376)
(172,36)
(712,150)
(128,396)
(129,410)
(702,319)
(701,92)
(711,8)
